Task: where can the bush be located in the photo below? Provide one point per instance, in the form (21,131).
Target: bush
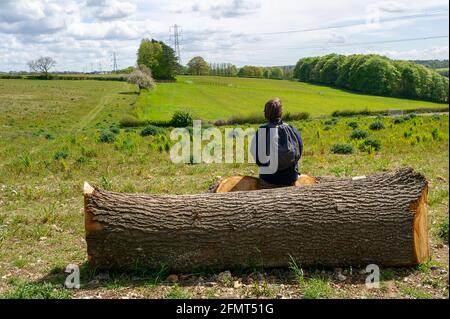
(377,125)
(399,120)
(443,231)
(358,134)
(332,121)
(130,121)
(343,148)
(296,116)
(181,119)
(353,124)
(151,130)
(115,129)
(106,136)
(371,143)
(435,134)
(61,154)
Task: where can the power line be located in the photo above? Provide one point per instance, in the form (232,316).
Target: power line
(114,61)
(406,17)
(175,34)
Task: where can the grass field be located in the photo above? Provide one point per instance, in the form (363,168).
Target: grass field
(212,98)
(49,145)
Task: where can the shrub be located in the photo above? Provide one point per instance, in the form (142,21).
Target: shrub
(115,129)
(377,125)
(332,121)
(151,130)
(353,124)
(130,121)
(371,143)
(399,120)
(443,231)
(435,134)
(61,154)
(181,119)
(142,77)
(295,116)
(358,134)
(106,136)
(342,148)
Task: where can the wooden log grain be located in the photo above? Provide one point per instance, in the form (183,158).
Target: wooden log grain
(379,219)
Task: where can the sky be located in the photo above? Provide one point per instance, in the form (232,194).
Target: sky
(81,35)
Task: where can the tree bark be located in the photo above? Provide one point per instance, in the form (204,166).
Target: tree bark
(379,219)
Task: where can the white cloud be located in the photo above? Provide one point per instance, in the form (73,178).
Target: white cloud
(80,32)
(110,9)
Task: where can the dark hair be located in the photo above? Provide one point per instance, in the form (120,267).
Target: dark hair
(273,109)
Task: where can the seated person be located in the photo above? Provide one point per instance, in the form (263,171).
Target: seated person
(289,147)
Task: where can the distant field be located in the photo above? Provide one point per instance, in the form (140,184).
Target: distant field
(212,98)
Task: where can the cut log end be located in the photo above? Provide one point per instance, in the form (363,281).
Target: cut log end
(90,224)
(88,189)
(420,228)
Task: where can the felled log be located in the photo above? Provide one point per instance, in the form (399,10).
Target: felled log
(249,183)
(380,219)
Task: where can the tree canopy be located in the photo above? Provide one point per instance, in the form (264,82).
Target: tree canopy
(198,66)
(159,58)
(374,74)
(43,65)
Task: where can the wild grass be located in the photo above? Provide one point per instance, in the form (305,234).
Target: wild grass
(41,178)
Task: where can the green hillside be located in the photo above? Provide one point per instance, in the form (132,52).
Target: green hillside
(212,98)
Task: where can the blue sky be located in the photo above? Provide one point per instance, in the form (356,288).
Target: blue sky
(80,35)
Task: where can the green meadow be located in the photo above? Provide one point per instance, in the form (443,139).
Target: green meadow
(213,98)
(54,135)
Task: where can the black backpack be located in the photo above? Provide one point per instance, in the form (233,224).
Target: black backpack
(289,149)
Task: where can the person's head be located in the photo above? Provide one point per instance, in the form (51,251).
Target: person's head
(273,109)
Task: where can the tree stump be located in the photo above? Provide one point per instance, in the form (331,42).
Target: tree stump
(379,219)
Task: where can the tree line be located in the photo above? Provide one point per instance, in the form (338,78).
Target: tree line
(374,74)
(198,66)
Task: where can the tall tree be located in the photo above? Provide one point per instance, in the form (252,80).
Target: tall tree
(158,57)
(198,66)
(42,65)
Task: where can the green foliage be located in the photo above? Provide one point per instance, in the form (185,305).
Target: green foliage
(61,154)
(250,71)
(106,183)
(181,119)
(342,148)
(177,292)
(316,288)
(359,134)
(106,136)
(115,129)
(399,120)
(159,58)
(151,130)
(198,66)
(25,160)
(332,121)
(130,121)
(377,125)
(36,291)
(435,134)
(353,124)
(371,144)
(443,231)
(374,74)
(222,69)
